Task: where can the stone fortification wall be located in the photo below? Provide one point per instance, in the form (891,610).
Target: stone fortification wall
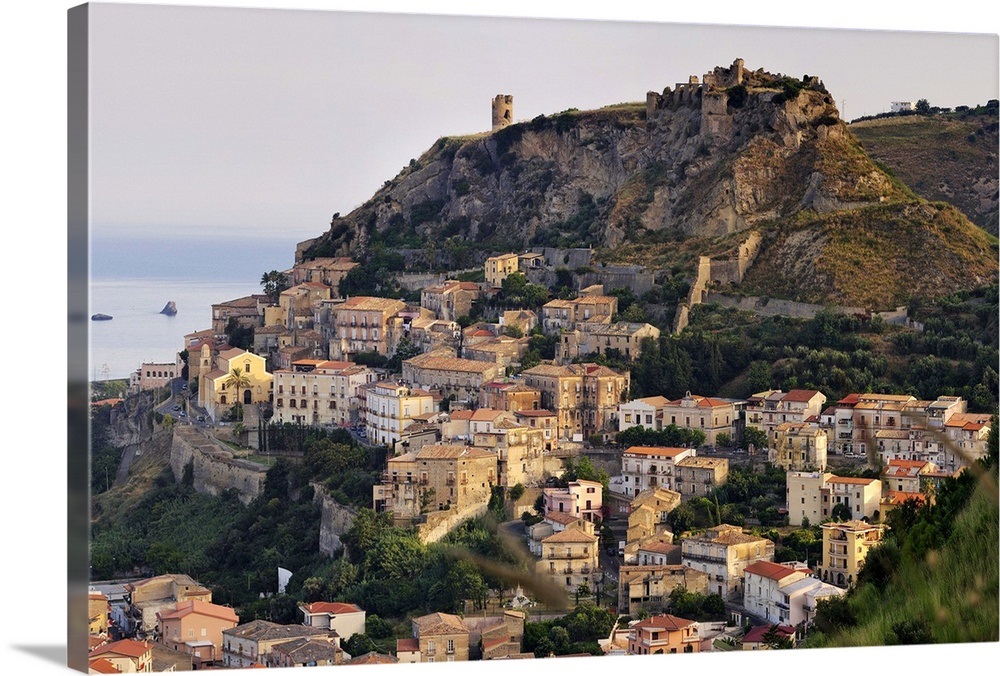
(439,524)
(335,520)
(732,270)
(215,468)
(564,258)
(776,307)
(695,295)
(632,277)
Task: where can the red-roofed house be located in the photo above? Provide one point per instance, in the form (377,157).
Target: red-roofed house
(762,594)
(646,467)
(102,665)
(767,410)
(196,627)
(127,656)
(346,619)
(663,634)
(906,476)
(761,637)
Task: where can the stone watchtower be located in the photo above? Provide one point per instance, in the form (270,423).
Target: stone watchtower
(503,111)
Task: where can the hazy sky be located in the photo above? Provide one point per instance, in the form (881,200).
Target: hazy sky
(267,120)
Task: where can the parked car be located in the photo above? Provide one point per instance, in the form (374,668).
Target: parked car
(177,407)
(201,418)
(183,414)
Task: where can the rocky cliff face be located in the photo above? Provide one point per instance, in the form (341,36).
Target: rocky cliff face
(739,150)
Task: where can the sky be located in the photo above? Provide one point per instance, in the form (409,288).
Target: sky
(33,44)
(269,120)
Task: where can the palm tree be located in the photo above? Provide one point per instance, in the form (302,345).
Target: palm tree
(238,381)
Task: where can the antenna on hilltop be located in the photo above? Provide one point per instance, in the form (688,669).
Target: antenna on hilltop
(843,109)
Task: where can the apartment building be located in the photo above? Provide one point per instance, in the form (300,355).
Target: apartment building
(580,499)
(563,315)
(363,324)
(798,446)
(450,300)
(520,450)
(696,476)
(647,588)
(433,478)
(645,467)
(320,392)
(390,407)
(328,271)
(766,410)
(452,376)
(845,546)
(594,338)
(569,558)
(724,552)
(663,635)
(584,397)
(763,583)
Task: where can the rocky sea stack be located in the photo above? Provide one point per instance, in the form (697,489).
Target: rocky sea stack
(169,309)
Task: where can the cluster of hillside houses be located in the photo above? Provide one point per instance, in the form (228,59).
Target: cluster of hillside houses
(458,423)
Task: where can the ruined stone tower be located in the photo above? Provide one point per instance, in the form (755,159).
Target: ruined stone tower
(503,111)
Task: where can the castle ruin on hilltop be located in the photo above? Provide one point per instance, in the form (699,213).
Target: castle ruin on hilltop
(503,111)
(712,94)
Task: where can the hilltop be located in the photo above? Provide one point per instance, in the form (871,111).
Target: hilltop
(689,172)
(950,157)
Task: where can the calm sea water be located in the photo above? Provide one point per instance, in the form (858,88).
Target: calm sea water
(133,277)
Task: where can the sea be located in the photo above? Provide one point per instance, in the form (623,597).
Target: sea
(132,277)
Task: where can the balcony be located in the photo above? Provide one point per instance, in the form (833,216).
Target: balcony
(704,557)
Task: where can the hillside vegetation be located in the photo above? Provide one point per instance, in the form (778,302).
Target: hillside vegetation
(949,157)
(934,578)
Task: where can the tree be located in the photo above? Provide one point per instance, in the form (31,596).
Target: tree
(923,107)
(841,512)
(274,283)
(237,381)
(752,435)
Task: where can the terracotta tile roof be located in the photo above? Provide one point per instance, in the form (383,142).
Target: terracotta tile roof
(437,624)
(450,452)
(668,622)
(852,526)
(533,413)
(565,518)
(369,303)
(185,608)
(462,415)
(570,535)
(899,497)
(660,548)
(655,402)
(905,468)
(126,647)
(407,645)
(95,641)
(232,353)
(756,634)
(849,400)
(103,666)
(334,608)
(487,414)
(860,481)
(374,658)
(450,364)
(489,644)
(306,650)
(873,396)
(262,630)
(963,419)
(700,462)
(728,535)
(664,451)
(801,395)
(772,571)
(549,370)
(245,301)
